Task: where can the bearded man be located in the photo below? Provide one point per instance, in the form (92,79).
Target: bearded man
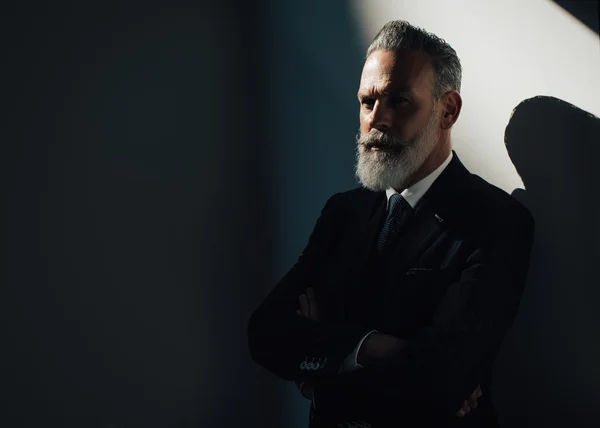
(396,309)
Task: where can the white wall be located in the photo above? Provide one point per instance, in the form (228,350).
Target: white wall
(510,50)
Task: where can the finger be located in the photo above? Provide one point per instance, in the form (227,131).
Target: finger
(473,403)
(478,391)
(309,393)
(304,305)
(466,407)
(307,390)
(312,300)
(463,410)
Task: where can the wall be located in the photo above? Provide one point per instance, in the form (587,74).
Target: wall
(138,224)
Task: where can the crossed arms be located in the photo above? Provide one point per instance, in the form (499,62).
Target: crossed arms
(375,346)
(441,365)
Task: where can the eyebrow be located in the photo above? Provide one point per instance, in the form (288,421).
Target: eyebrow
(371,91)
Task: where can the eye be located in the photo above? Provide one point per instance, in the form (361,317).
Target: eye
(399,101)
(367,103)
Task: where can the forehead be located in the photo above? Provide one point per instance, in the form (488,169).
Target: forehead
(403,71)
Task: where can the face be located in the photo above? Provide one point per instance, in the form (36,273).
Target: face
(399,123)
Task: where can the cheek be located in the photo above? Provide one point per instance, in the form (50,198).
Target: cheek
(364,123)
(408,127)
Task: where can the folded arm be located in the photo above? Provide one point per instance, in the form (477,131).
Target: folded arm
(444,362)
(295,347)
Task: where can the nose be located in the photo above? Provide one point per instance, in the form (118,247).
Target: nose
(381,117)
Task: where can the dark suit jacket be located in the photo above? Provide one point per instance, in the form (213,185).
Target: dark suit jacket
(450,289)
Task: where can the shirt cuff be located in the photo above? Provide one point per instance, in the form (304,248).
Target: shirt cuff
(350,363)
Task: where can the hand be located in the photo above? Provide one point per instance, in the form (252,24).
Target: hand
(307,389)
(470,403)
(309,306)
(379,346)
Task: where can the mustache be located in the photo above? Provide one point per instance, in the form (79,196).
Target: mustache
(379,139)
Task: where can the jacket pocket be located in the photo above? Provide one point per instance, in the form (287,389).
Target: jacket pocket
(421,271)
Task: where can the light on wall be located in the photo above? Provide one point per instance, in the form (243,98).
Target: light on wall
(510,51)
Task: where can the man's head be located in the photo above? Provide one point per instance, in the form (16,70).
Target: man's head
(409,100)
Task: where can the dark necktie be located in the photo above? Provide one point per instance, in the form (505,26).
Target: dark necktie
(398,214)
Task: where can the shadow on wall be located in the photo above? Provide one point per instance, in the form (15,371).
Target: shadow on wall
(316,58)
(547,373)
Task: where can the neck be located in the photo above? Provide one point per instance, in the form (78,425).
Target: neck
(439,154)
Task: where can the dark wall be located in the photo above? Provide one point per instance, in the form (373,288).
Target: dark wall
(315,63)
(138,214)
(586,11)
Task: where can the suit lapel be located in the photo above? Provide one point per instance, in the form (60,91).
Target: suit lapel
(431,216)
(369,234)
(367,223)
(419,235)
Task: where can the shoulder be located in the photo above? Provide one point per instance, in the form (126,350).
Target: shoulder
(491,207)
(494,199)
(357,204)
(353,199)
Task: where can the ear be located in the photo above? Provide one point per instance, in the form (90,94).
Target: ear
(451,105)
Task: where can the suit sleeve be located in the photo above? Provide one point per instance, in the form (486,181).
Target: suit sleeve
(291,346)
(444,362)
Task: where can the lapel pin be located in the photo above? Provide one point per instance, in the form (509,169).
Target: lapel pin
(441,220)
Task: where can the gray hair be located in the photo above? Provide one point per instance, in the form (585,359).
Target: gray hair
(400,35)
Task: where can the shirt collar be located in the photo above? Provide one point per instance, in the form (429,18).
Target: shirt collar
(414,193)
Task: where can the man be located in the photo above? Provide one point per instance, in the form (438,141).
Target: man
(397,307)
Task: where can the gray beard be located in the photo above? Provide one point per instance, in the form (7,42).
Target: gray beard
(381,170)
